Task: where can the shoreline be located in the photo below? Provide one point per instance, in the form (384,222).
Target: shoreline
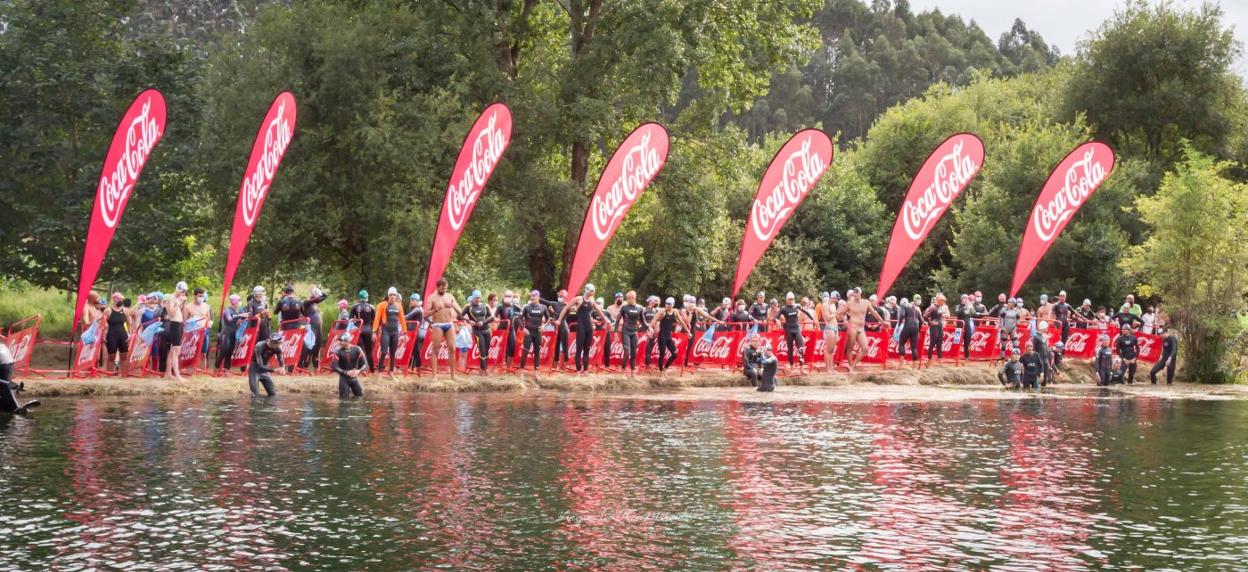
(939,382)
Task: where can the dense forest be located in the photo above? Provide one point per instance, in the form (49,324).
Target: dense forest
(387,89)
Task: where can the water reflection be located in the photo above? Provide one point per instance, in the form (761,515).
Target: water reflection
(489,482)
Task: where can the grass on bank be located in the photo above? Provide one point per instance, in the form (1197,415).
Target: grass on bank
(19,301)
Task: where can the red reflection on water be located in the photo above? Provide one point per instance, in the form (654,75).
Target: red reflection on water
(93,499)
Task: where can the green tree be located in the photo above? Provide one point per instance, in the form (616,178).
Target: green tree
(1155,74)
(1195,257)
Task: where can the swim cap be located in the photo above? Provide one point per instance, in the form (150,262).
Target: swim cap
(1062,293)
(670,301)
(392,291)
(363,294)
(275,338)
(589,288)
(619,294)
(789,296)
(1015,352)
(344,338)
(535,293)
(1059,346)
(414,296)
(180,287)
(343,303)
(835,294)
(563,293)
(652,299)
(726,301)
(316,292)
(475,294)
(1044,297)
(234,299)
(288,289)
(1087,302)
(142,298)
(824,296)
(760,294)
(258,290)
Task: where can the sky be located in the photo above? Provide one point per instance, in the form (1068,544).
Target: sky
(1065,22)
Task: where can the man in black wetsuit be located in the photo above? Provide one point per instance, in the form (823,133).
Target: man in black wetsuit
(767,366)
(533,316)
(1169,356)
(365,313)
(349,363)
(628,321)
(232,318)
(478,315)
(311,358)
(1103,362)
(258,373)
(787,317)
(910,320)
(1128,347)
(556,307)
(1126,318)
(751,361)
(289,309)
(1011,374)
(258,309)
(1033,367)
(1084,315)
(759,309)
(1063,313)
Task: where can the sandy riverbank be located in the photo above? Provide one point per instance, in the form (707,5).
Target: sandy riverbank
(937,382)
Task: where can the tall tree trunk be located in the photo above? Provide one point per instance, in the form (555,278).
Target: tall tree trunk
(580,171)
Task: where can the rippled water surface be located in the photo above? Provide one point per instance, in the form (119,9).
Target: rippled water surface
(490,482)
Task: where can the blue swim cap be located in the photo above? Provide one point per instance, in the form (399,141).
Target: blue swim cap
(475,294)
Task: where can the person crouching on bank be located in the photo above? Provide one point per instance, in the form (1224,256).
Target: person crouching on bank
(349,363)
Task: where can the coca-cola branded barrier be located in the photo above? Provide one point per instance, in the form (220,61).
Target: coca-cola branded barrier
(478,157)
(276,131)
(789,178)
(631,169)
(1082,343)
(938,182)
(292,341)
(1069,186)
(140,351)
(336,330)
(21,340)
(246,345)
(402,353)
(86,359)
(140,129)
(192,348)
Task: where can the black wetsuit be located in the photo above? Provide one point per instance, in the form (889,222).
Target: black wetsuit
(935,332)
(751,360)
(1063,312)
(8,389)
(910,320)
(1011,374)
(312,357)
(365,312)
(531,317)
(664,341)
(630,318)
(258,373)
(480,317)
(740,320)
(793,331)
(647,316)
(415,319)
(1104,364)
(508,316)
(767,372)
(561,331)
(758,311)
(1033,368)
(696,329)
(116,340)
(584,335)
(1169,359)
(966,314)
(344,361)
(231,319)
(391,330)
(1128,347)
(289,309)
(1040,344)
(263,326)
(1125,319)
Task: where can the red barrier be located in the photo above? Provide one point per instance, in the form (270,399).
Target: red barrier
(246,345)
(191,350)
(292,342)
(723,349)
(88,357)
(22,337)
(140,351)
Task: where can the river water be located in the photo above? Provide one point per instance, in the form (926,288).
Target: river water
(523,483)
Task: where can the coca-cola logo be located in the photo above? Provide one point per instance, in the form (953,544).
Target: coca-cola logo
(800,171)
(400,353)
(272,147)
(290,345)
(720,348)
(1077,342)
(190,346)
(873,347)
(240,351)
(117,182)
(950,175)
(486,147)
(981,339)
(88,353)
(1080,180)
(20,347)
(1146,345)
(639,164)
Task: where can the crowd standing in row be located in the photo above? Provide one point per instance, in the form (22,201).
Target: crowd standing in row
(1028,359)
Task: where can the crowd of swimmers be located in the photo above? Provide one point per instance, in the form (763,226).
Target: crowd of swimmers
(1027,359)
